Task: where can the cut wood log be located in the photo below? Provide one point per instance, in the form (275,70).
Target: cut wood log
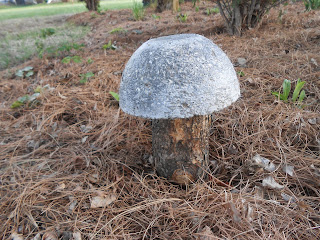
(181,147)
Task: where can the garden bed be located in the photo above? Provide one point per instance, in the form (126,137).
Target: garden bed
(72,163)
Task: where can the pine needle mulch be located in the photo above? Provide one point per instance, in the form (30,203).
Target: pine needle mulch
(75,166)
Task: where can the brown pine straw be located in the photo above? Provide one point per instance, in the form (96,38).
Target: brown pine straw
(76,145)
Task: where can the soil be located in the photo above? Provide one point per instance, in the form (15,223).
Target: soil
(72,163)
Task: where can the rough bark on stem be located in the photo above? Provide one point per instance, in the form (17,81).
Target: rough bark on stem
(92,5)
(175,6)
(180,147)
(237,18)
(164,5)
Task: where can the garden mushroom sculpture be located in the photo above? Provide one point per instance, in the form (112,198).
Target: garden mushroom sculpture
(178,81)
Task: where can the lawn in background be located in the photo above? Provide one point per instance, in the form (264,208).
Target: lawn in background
(21,29)
(57,8)
(16,48)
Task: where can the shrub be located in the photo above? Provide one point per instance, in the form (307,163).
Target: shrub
(312,4)
(244,14)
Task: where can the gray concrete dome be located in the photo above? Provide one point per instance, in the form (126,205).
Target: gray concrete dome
(178,76)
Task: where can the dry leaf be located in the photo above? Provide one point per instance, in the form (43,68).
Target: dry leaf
(235,213)
(37,237)
(16,236)
(78,188)
(192,215)
(84,139)
(66,235)
(263,162)
(288,169)
(85,129)
(93,178)
(73,203)
(32,220)
(312,121)
(305,206)
(259,192)
(61,187)
(97,202)
(249,213)
(271,183)
(50,236)
(76,236)
(63,97)
(316,170)
(206,234)
(288,198)
(12,214)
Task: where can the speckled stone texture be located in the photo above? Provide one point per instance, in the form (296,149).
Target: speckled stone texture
(178,76)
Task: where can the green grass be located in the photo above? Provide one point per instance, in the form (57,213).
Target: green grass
(57,9)
(25,33)
(19,47)
(118,30)
(138,10)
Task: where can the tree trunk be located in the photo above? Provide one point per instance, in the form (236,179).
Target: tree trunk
(181,148)
(175,6)
(164,5)
(237,18)
(92,5)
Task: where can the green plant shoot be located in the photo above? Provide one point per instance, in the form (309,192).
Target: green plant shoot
(154,16)
(302,95)
(25,72)
(183,17)
(38,89)
(241,74)
(115,95)
(76,59)
(286,89)
(109,45)
(297,90)
(85,77)
(118,30)
(21,101)
(298,93)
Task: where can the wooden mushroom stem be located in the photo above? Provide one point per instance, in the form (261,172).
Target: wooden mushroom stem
(181,147)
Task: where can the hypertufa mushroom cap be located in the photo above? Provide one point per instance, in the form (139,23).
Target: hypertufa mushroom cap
(178,76)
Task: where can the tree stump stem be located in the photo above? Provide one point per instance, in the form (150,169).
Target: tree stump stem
(181,148)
